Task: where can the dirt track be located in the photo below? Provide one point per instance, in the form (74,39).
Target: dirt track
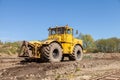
(92,67)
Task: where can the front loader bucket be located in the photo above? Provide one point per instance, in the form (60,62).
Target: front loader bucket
(24,50)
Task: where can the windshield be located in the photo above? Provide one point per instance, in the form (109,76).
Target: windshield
(56,31)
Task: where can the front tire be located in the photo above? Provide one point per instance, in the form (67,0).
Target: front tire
(77,53)
(52,52)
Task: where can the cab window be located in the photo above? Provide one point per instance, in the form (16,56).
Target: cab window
(61,30)
(69,31)
(53,32)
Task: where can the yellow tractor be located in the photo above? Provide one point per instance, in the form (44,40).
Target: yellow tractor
(59,44)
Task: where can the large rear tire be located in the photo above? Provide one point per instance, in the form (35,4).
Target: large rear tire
(77,53)
(52,52)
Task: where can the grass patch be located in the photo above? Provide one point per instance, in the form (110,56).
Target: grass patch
(87,57)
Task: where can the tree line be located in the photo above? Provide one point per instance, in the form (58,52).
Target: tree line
(110,45)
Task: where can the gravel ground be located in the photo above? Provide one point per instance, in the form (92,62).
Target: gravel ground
(92,67)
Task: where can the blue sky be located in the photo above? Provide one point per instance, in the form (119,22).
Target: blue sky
(30,19)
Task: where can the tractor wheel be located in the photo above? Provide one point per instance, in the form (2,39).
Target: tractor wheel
(45,50)
(52,52)
(77,54)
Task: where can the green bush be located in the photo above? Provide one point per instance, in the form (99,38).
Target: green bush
(10,47)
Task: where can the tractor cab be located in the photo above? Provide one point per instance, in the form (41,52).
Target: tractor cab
(60,30)
(61,33)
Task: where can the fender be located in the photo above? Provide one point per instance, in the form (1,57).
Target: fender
(49,41)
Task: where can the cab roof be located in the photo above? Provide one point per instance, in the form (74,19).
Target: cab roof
(67,27)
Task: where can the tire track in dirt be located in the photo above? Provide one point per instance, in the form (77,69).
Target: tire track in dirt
(32,69)
(114,75)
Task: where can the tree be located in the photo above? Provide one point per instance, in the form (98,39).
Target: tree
(88,42)
(108,45)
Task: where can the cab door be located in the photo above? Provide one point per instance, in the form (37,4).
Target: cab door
(68,37)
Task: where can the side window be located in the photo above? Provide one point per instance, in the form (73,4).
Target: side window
(63,29)
(68,31)
(53,32)
(49,32)
(59,31)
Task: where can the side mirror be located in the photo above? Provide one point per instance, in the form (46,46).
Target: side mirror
(76,32)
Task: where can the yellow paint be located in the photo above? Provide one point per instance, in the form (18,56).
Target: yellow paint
(66,40)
